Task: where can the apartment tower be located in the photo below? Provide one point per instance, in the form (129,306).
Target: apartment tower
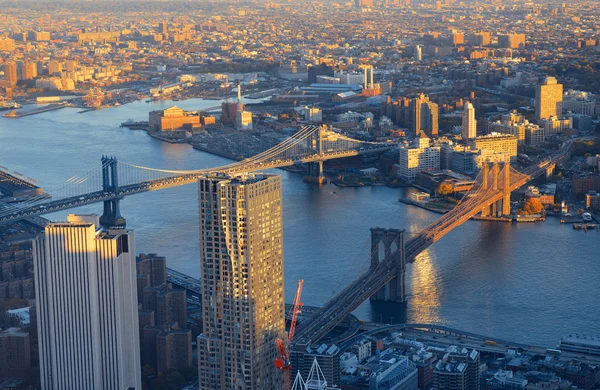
(241,251)
(548,99)
(425,116)
(469,124)
(87,307)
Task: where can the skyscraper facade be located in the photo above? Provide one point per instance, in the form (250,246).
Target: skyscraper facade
(241,249)
(469,124)
(425,116)
(548,99)
(86,301)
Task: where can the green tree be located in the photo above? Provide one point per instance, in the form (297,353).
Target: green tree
(445,189)
(531,206)
(169,380)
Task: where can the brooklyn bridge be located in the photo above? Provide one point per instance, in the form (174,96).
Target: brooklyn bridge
(112,180)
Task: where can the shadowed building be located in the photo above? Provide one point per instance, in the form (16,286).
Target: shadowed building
(86,306)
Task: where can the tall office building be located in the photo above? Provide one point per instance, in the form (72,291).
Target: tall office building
(87,307)
(425,116)
(469,124)
(241,250)
(548,99)
(10,72)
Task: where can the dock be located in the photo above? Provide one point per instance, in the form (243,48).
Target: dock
(38,110)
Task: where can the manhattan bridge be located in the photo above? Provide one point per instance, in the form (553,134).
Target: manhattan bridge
(112,180)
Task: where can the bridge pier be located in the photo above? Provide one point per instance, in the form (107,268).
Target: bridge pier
(315,173)
(501,207)
(391,242)
(111,217)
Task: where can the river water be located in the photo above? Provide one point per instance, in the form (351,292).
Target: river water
(531,283)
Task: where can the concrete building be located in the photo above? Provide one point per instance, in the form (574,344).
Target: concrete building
(418,53)
(10,72)
(313,114)
(27,70)
(511,41)
(482,38)
(173,348)
(580,102)
(152,267)
(548,99)
(327,358)
(497,143)
(418,157)
(592,200)
(425,116)
(554,125)
(363,3)
(15,354)
(87,306)
(7,44)
(458,370)
(399,374)
(173,118)
(469,124)
(241,263)
(243,119)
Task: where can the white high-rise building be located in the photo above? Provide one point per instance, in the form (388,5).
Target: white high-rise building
(418,53)
(241,263)
(469,124)
(86,300)
(417,158)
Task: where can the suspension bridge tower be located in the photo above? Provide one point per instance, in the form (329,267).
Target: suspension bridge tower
(315,169)
(111,217)
(496,179)
(387,249)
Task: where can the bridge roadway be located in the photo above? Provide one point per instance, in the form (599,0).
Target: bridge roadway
(175,181)
(370,282)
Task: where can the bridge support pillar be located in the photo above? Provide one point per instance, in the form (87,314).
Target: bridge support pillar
(111,217)
(506,191)
(391,243)
(315,173)
(485,212)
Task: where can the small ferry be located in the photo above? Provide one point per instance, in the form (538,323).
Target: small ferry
(4,105)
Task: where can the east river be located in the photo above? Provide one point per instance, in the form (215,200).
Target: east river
(531,283)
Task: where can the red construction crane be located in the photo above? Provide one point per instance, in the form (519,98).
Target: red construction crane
(283,363)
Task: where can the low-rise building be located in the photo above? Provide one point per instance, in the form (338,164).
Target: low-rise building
(592,200)
(173,118)
(495,142)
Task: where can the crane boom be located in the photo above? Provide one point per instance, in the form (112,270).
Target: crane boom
(296,309)
(283,363)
